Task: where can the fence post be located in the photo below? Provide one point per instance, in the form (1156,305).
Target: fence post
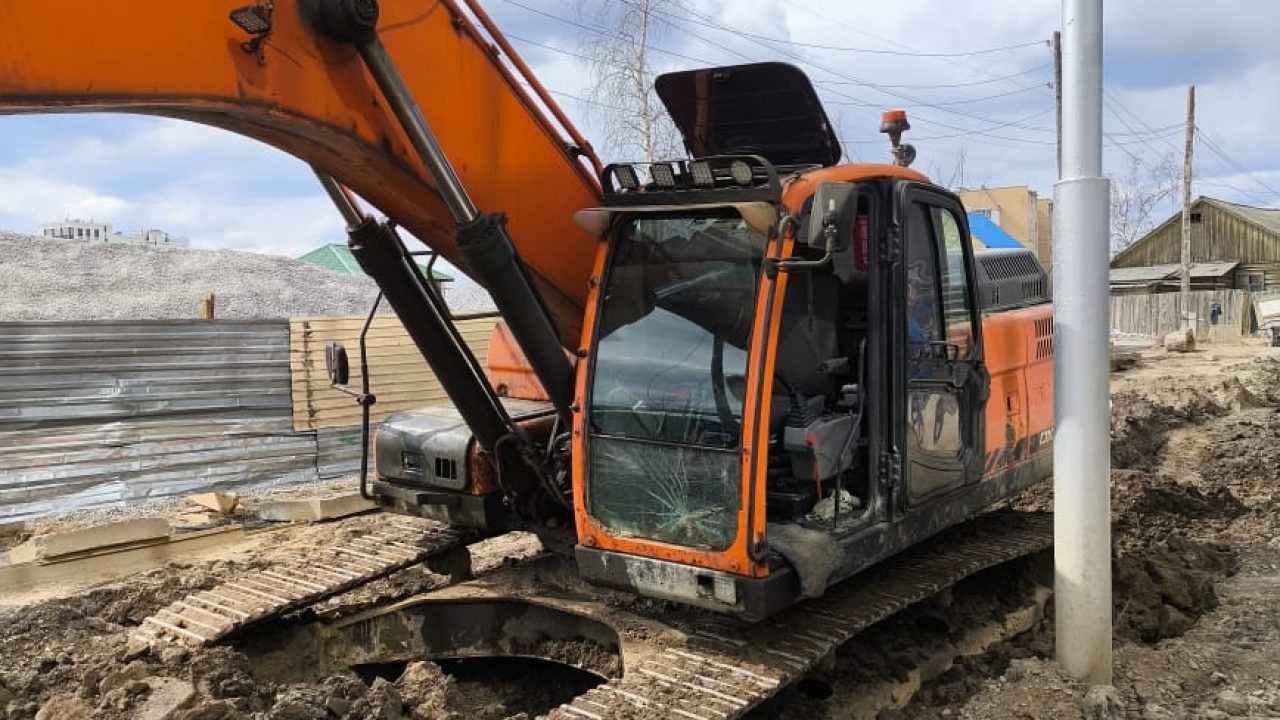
(206,306)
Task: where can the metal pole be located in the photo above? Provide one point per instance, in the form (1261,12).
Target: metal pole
(1082,443)
(415,126)
(342,198)
(1184,288)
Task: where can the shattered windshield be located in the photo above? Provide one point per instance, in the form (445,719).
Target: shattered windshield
(668,379)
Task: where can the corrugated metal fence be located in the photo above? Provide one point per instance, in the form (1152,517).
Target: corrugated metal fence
(1157,314)
(108,413)
(101,413)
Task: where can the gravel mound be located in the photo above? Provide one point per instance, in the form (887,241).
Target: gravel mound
(43,280)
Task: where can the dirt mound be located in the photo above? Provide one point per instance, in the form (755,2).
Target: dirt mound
(1161,591)
(43,279)
(1140,425)
(1245,458)
(77,644)
(1196,466)
(1148,507)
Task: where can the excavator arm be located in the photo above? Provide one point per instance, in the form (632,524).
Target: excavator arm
(275,78)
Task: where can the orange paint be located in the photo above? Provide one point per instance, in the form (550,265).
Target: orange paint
(313,99)
(1021,367)
(509,369)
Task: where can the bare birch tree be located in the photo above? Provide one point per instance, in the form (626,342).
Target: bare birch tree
(626,107)
(1137,196)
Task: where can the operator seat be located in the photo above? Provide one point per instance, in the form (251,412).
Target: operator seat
(808,336)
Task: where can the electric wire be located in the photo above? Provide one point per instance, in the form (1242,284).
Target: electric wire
(847,99)
(1217,150)
(703,21)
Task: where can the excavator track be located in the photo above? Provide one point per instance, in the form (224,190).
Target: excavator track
(208,616)
(724,668)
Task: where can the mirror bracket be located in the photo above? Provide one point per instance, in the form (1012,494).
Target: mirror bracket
(338,369)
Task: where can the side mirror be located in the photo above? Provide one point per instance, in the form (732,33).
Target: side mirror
(832,216)
(336,365)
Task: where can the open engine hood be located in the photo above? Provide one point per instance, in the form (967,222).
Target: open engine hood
(768,109)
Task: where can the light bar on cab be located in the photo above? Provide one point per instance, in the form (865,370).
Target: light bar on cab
(721,178)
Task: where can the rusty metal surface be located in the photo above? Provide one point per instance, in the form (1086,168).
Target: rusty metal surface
(107,413)
(724,668)
(295,582)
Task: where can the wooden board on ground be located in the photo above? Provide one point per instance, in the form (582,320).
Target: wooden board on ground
(314,509)
(127,532)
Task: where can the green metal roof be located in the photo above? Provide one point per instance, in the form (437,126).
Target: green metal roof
(338,258)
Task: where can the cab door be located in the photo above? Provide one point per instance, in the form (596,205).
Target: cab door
(944,384)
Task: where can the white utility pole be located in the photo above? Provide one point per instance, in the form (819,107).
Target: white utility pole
(1082,437)
(1184,296)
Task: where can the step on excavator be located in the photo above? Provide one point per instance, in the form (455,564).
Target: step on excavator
(732,380)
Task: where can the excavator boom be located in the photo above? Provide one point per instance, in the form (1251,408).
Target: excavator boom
(292,88)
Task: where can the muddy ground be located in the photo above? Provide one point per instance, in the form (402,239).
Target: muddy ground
(1196,565)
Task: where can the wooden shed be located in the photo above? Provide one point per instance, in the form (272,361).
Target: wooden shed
(1221,232)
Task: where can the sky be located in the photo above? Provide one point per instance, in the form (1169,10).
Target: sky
(974,77)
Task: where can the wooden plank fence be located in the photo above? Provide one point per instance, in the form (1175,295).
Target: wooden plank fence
(398,375)
(1154,315)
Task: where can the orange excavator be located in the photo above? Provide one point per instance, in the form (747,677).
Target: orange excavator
(730,380)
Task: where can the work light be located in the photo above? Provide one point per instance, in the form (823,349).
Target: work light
(253,19)
(626,176)
(702,175)
(662,175)
(741,172)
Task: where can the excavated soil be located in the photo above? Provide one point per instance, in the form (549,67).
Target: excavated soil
(69,657)
(1195,565)
(1196,568)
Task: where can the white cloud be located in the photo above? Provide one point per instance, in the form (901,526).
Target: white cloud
(225,191)
(24,196)
(216,188)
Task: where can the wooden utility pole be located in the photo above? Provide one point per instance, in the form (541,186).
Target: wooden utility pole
(1185,288)
(1056,45)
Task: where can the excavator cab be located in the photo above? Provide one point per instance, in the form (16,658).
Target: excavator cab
(784,379)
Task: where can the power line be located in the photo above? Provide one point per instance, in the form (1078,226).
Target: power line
(964,132)
(1019,91)
(944,86)
(827,17)
(1216,149)
(1220,183)
(853,79)
(562,51)
(1114,104)
(579,98)
(668,20)
(596,30)
(966,101)
(872,51)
